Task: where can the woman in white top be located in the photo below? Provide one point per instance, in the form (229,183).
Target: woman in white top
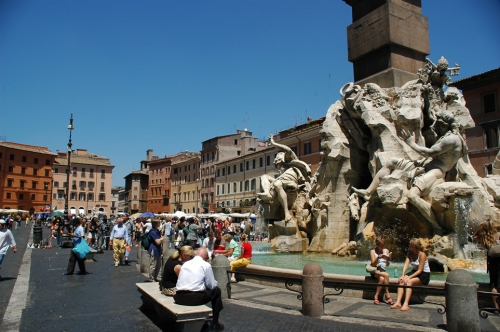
(419,275)
(380,257)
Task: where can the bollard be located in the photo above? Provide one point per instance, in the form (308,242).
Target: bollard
(461,302)
(312,290)
(220,266)
(37,234)
(144,267)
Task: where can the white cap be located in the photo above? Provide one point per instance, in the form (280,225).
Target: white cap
(2,221)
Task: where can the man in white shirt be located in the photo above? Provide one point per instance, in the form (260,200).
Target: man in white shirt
(196,285)
(6,240)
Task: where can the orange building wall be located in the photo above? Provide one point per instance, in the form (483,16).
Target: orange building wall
(32,197)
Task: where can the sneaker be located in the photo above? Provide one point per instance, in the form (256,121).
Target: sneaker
(218,327)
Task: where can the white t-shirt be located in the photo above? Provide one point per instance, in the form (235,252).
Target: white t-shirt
(6,240)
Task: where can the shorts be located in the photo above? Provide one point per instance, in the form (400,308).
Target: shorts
(424,277)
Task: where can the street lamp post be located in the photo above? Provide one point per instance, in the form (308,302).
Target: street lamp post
(46,185)
(70,127)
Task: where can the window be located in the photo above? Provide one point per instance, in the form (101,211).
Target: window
(90,197)
(246,185)
(247,164)
(91,185)
(261,162)
(47,162)
(228,188)
(72,196)
(9,182)
(102,197)
(91,173)
(491,137)
(294,149)
(23,170)
(56,184)
(241,186)
(252,186)
(21,184)
(488,169)
(73,184)
(82,184)
(218,172)
(489,102)
(11,157)
(222,186)
(228,170)
(74,171)
(218,190)
(21,197)
(83,172)
(11,169)
(253,163)
(60,194)
(44,197)
(47,172)
(307,148)
(35,160)
(33,185)
(56,170)
(241,167)
(235,142)
(81,197)
(223,171)
(33,197)
(234,187)
(234,168)
(228,203)
(23,159)
(103,173)
(35,171)
(7,195)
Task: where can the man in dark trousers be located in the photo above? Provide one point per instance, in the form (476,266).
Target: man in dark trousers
(196,285)
(77,236)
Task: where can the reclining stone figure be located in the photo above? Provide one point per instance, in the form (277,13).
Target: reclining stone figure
(427,173)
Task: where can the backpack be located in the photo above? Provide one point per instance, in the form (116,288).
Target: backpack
(145,241)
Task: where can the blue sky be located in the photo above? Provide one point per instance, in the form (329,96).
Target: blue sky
(167,75)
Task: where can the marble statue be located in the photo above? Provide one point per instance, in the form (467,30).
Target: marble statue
(294,175)
(406,146)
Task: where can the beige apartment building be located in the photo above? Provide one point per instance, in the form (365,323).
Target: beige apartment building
(186,184)
(90,183)
(238,180)
(219,149)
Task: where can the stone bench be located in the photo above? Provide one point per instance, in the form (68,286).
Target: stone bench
(188,318)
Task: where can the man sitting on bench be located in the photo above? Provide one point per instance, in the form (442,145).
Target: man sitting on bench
(196,286)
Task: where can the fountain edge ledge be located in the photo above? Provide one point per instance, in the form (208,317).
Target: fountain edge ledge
(357,291)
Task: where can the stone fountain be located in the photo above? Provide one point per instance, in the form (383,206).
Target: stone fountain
(406,146)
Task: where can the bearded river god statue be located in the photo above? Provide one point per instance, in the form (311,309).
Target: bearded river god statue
(395,165)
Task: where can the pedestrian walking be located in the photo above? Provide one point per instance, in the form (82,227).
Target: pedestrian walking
(129,225)
(118,239)
(78,235)
(6,241)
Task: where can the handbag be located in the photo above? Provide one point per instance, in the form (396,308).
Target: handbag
(82,249)
(371,269)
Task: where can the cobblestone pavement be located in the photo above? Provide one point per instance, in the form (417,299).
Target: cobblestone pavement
(107,300)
